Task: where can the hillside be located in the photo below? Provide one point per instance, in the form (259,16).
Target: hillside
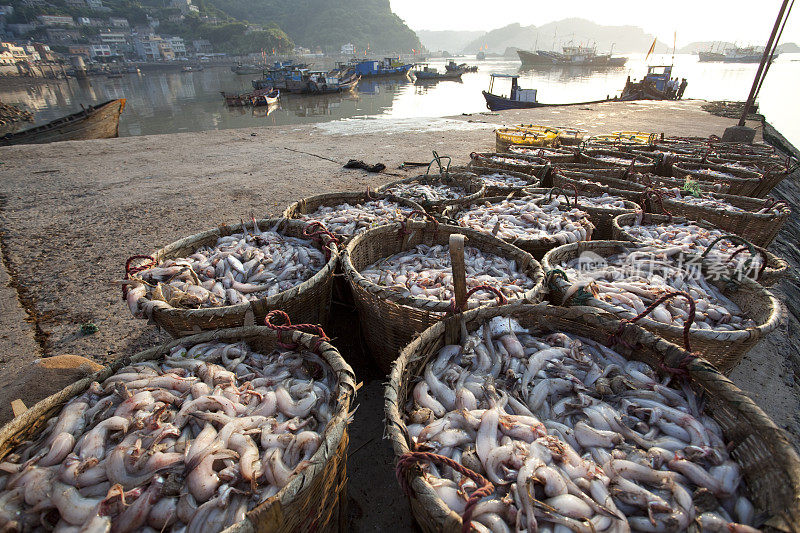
(624,39)
(452,41)
(328,24)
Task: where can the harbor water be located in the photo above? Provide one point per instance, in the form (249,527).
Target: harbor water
(167,102)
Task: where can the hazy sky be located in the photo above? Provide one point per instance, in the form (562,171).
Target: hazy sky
(694,20)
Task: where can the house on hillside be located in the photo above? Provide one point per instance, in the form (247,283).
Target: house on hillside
(202,46)
(348,49)
(56,20)
(118,22)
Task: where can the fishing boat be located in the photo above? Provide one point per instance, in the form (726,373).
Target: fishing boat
(427,73)
(463,67)
(93,122)
(335,81)
(240,69)
(268,99)
(654,86)
(192,68)
(577,56)
(388,67)
(748,54)
(519,98)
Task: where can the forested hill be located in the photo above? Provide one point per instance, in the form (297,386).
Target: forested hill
(327,23)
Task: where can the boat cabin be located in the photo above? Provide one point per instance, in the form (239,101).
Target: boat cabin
(658,76)
(517,94)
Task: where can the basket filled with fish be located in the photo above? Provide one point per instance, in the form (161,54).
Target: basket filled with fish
(540,418)
(499,182)
(233,276)
(225,429)
(346,214)
(568,136)
(597,183)
(757,220)
(741,181)
(616,158)
(527,135)
(554,155)
(601,206)
(435,192)
(732,253)
(654,181)
(507,161)
(402,279)
(536,225)
(773,169)
(720,318)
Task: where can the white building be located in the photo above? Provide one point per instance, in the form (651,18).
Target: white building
(203,46)
(6,11)
(75,3)
(348,49)
(116,41)
(148,47)
(33,53)
(99,50)
(95,4)
(118,22)
(185,6)
(16,53)
(177,45)
(56,20)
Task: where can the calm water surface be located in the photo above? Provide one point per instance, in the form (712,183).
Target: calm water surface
(167,102)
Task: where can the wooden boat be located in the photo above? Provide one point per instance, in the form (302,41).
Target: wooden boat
(520,98)
(240,69)
(331,82)
(428,73)
(654,86)
(94,122)
(268,99)
(579,56)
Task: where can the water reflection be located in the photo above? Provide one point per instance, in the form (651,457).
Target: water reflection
(164,102)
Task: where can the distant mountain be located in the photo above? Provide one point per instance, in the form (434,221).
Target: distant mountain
(624,39)
(702,46)
(452,41)
(328,24)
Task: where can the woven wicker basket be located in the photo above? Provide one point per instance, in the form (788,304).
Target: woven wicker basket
(495,190)
(758,228)
(742,182)
(308,302)
(724,349)
(554,155)
(389,319)
(642,164)
(473,188)
(536,247)
(769,464)
(593,186)
(522,163)
(601,217)
(571,136)
(312,203)
(315,499)
(774,270)
(529,135)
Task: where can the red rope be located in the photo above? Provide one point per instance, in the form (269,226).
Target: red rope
(484,490)
(313,329)
(135,270)
(686,326)
(459,308)
(404,223)
(315,230)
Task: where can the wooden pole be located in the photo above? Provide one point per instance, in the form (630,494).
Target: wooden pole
(752,97)
(459,269)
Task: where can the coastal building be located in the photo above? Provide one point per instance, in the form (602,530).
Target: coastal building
(32,53)
(15,52)
(6,57)
(348,49)
(62,35)
(185,6)
(147,47)
(95,4)
(116,41)
(178,46)
(117,22)
(44,52)
(99,51)
(6,11)
(56,20)
(202,46)
(79,50)
(78,4)
(166,51)
(34,3)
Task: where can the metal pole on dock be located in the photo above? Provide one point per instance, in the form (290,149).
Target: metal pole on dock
(764,60)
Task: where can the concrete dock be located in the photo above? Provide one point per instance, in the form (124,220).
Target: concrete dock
(72,212)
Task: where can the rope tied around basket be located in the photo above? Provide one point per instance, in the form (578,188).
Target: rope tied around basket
(562,193)
(484,490)
(416,212)
(443,170)
(315,230)
(313,329)
(687,325)
(456,308)
(747,246)
(151,262)
(649,193)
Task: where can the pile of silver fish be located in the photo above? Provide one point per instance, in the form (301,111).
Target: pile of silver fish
(500,179)
(524,219)
(427,193)
(503,160)
(630,281)
(239,268)
(693,239)
(573,436)
(605,200)
(617,160)
(187,444)
(536,151)
(425,272)
(350,220)
(715,203)
(712,173)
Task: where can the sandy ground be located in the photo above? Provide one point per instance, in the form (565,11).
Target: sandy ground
(70,214)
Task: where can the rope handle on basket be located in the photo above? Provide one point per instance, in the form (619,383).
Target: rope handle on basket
(485,487)
(315,230)
(313,329)
(763,262)
(135,270)
(459,308)
(771,203)
(629,171)
(443,171)
(654,193)
(560,193)
(686,326)
(747,246)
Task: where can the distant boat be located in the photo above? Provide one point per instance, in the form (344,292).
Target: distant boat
(519,98)
(480,56)
(463,67)
(94,122)
(240,69)
(428,73)
(749,54)
(578,56)
(193,68)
